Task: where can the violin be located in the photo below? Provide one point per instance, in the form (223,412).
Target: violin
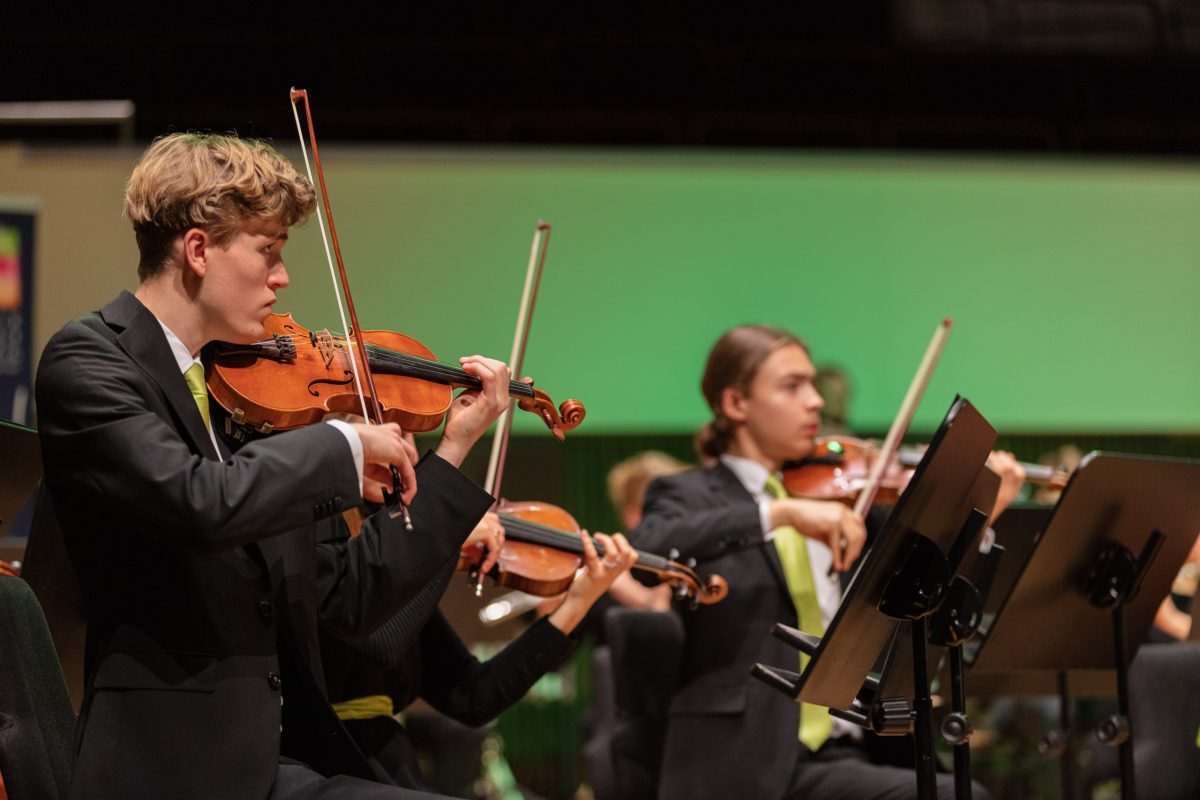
(347,363)
(12,569)
(296,376)
(542,552)
(838,467)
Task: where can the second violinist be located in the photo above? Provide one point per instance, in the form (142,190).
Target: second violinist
(417,654)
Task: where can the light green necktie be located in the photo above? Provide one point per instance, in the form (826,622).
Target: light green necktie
(815,722)
(195,381)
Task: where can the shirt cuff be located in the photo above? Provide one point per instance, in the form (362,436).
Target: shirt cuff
(356,448)
(764,516)
(987,540)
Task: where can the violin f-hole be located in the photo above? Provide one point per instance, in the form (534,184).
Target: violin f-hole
(330,381)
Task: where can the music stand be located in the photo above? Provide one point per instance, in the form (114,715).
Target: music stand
(1091,585)
(905,575)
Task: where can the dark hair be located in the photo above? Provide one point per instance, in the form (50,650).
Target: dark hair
(733,363)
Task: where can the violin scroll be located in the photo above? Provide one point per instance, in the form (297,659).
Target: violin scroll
(559,420)
(713,589)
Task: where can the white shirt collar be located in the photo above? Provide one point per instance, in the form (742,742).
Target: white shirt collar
(752,474)
(183,356)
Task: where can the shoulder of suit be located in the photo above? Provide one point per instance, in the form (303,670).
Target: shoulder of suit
(696,476)
(102,322)
(86,334)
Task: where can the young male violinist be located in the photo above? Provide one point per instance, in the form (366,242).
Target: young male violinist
(729,735)
(208,574)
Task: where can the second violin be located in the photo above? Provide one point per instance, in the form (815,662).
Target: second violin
(542,552)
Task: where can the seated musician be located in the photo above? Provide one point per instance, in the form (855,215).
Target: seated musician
(729,735)
(207,573)
(417,654)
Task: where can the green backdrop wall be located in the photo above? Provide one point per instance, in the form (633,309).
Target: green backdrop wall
(1073,285)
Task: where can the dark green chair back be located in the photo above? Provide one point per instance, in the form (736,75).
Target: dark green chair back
(37,723)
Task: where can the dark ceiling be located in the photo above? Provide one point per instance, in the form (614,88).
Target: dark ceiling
(1112,76)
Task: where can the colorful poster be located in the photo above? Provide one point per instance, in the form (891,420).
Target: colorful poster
(16,316)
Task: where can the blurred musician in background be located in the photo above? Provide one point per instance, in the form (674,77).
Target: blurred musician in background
(729,735)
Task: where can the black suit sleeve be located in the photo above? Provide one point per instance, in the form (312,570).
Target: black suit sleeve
(677,514)
(101,432)
(386,647)
(364,581)
(473,692)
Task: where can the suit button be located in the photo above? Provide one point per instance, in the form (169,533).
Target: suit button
(266,610)
(274,681)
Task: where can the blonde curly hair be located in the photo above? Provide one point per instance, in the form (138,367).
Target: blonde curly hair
(212,181)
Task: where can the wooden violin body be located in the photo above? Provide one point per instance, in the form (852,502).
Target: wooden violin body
(542,552)
(297,376)
(540,568)
(838,469)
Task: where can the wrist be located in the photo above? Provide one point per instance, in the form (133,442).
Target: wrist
(569,614)
(779,514)
(452,452)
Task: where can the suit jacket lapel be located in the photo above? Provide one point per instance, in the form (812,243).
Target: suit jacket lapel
(727,486)
(141,336)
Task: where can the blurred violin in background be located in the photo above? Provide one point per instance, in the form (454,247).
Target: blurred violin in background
(839,466)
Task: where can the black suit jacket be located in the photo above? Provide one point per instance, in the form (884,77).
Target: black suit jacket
(728,735)
(206,581)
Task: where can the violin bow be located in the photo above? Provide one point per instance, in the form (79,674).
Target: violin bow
(533,281)
(916,389)
(374,412)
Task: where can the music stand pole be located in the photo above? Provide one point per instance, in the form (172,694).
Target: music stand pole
(1115,579)
(923,707)
(920,591)
(961,735)
(1066,759)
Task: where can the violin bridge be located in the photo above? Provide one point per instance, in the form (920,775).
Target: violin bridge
(325,346)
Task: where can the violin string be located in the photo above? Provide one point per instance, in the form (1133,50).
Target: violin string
(533,533)
(419,367)
(429,368)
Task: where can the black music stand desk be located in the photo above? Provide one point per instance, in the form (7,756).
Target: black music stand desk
(1091,585)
